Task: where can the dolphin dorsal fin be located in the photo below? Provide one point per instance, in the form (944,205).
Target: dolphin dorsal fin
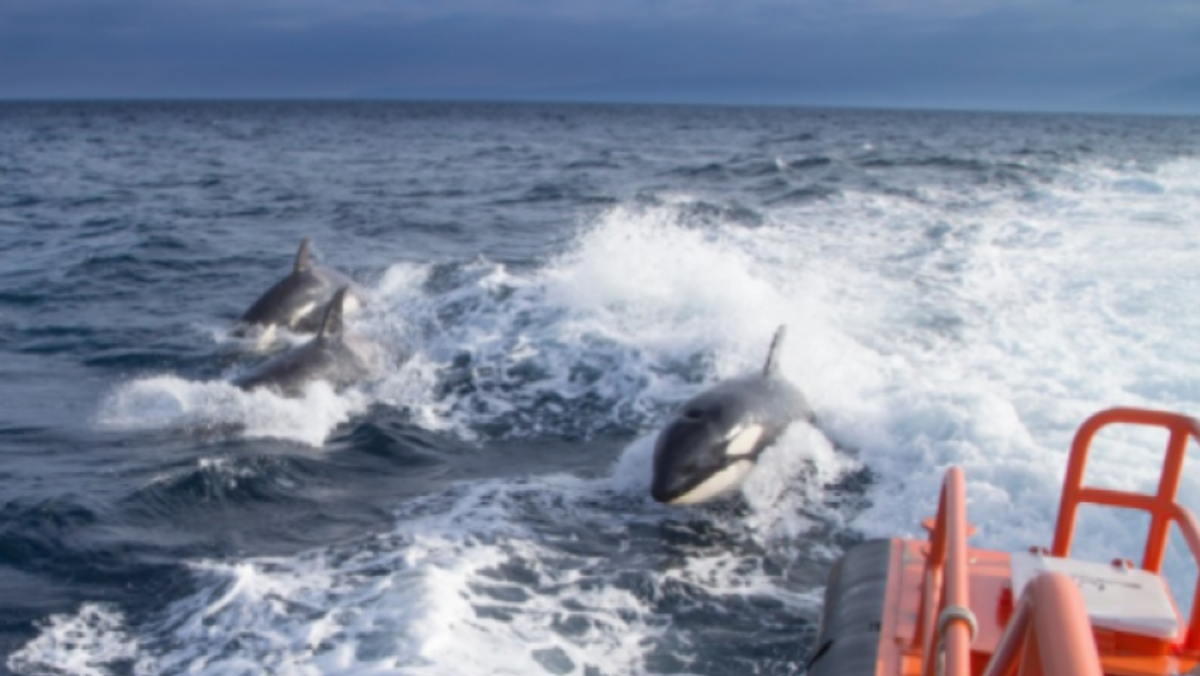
(302,263)
(772,365)
(331,323)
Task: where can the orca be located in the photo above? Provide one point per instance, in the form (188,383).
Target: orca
(713,441)
(297,301)
(335,355)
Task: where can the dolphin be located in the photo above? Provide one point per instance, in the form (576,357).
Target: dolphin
(709,447)
(297,301)
(334,355)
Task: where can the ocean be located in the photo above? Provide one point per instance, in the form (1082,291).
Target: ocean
(547,283)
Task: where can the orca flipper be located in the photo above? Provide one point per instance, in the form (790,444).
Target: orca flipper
(772,365)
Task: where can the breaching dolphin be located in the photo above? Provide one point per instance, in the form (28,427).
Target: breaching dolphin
(709,447)
(334,355)
(298,301)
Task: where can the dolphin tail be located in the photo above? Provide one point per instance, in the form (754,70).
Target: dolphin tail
(331,323)
(302,263)
(772,365)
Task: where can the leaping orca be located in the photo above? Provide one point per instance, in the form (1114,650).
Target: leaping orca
(709,447)
(334,355)
(298,301)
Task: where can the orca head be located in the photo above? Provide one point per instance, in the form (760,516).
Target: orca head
(705,452)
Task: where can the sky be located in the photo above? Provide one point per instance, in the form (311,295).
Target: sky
(973,54)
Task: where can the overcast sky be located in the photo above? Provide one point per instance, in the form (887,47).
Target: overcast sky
(992,54)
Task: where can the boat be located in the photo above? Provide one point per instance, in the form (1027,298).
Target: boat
(936,606)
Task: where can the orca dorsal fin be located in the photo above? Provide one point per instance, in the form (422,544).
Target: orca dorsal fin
(331,323)
(772,365)
(302,263)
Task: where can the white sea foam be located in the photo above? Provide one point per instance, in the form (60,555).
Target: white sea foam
(476,580)
(86,643)
(166,402)
(995,330)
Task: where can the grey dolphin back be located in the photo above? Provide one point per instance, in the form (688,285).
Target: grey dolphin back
(302,262)
(772,365)
(331,323)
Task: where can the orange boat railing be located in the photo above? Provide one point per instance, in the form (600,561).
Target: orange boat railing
(1161,506)
(946,571)
(1051,611)
(1049,635)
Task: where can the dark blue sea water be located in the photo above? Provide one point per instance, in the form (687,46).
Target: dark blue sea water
(547,282)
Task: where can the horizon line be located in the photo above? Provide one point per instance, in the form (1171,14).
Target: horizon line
(1136,111)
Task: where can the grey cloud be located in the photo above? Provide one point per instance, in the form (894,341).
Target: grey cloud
(968,52)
